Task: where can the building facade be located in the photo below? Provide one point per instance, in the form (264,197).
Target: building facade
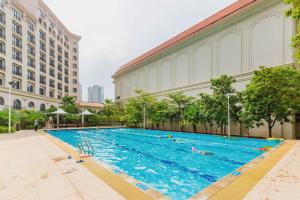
(235,41)
(38,53)
(96,94)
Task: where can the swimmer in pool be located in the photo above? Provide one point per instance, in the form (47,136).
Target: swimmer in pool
(204,153)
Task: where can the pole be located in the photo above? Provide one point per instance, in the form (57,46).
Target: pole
(144,123)
(82,119)
(9,110)
(228,104)
(57,120)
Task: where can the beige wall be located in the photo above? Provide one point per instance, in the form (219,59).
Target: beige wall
(236,46)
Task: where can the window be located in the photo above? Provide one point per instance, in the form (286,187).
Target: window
(1,101)
(2,32)
(74,73)
(67,63)
(66,79)
(52,43)
(59,58)
(59,86)
(52,83)
(2,17)
(42,79)
(17,14)
(31,75)
(30,25)
(42,107)
(66,54)
(74,50)
(31,50)
(17,42)
(59,67)
(74,66)
(74,90)
(31,62)
(17,28)
(2,64)
(75,58)
(42,56)
(59,95)
(43,35)
(66,88)
(17,104)
(30,88)
(52,63)
(1,80)
(17,85)
(31,38)
(17,70)
(42,67)
(66,71)
(51,93)
(51,72)
(52,53)
(42,91)
(59,76)
(74,81)
(43,46)
(17,55)
(31,105)
(59,48)
(2,47)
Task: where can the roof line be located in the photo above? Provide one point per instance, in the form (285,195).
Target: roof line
(213,19)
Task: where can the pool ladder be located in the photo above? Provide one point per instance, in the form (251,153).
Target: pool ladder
(86,147)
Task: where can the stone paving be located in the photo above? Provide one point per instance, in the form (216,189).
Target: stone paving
(33,168)
(282,182)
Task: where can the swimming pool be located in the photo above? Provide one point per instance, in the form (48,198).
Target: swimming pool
(168,165)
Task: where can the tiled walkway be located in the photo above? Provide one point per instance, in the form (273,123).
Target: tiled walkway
(33,168)
(282,182)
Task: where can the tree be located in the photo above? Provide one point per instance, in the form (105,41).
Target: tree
(69,105)
(221,87)
(294,12)
(193,114)
(207,106)
(133,112)
(272,95)
(180,101)
(108,109)
(159,112)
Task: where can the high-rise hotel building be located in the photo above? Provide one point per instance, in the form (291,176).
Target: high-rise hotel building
(38,53)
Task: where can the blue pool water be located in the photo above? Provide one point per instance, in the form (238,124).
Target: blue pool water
(168,166)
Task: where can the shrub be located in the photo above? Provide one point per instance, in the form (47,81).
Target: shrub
(4,129)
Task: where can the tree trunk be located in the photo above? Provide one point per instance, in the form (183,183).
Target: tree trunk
(163,124)
(195,128)
(270,130)
(205,126)
(182,128)
(171,121)
(157,126)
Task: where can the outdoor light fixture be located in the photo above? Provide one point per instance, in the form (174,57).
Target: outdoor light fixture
(12,84)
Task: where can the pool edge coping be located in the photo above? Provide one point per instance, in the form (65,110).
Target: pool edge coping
(123,184)
(236,187)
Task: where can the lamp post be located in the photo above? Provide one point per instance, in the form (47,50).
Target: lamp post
(12,83)
(228,114)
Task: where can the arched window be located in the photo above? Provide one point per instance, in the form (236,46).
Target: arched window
(42,107)
(31,104)
(17,104)
(1,101)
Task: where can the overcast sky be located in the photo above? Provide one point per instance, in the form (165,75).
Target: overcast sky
(117,31)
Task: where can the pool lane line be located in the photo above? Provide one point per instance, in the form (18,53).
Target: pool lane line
(237,187)
(116,182)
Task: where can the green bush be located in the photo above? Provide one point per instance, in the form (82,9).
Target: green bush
(27,118)
(4,129)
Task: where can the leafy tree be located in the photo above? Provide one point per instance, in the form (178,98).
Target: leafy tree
(133,112)
(294,12)
(159,112)
(221,87)
(272,95)
(27,118)
(180,102)
(207,106)
(108,109)
(69,105)
(4,120)
(193,114)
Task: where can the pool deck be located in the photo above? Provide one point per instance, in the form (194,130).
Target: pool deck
(34,166)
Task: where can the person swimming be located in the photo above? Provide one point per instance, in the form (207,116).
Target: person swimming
(204,153)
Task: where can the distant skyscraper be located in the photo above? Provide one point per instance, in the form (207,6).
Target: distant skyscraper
(96,94)
(80,92)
